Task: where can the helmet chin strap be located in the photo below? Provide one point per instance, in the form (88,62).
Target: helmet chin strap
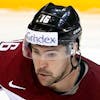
(73,67)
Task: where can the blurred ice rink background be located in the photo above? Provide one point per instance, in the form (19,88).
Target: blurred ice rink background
(13,26)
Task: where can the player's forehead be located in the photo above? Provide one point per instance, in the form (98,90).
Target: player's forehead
(40,47)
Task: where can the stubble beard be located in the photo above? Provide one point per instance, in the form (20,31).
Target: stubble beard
(50,78)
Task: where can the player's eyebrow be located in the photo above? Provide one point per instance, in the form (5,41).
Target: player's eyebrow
(49,48)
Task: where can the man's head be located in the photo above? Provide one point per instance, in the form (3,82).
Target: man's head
(51,36)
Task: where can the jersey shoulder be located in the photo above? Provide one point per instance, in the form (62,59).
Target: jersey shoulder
(15,68)
(9,50)
(10,46)
(11,59)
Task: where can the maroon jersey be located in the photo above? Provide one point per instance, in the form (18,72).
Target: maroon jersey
(17,75)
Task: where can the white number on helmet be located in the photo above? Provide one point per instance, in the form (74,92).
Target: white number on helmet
(45,18)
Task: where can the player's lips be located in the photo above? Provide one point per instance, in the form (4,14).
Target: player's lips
(44,74)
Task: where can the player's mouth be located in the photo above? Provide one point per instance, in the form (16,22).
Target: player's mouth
(43,75)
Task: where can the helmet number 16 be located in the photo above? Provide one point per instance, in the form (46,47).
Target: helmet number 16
(44,18)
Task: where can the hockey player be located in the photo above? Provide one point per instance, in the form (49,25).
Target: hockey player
(48,63)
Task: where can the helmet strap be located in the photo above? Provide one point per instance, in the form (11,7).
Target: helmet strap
(75,66)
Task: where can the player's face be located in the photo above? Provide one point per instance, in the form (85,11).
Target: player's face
(51,63)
